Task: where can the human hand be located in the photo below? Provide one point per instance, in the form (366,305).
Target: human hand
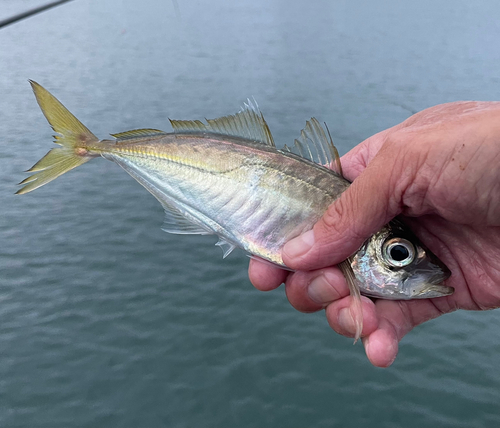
(440,170)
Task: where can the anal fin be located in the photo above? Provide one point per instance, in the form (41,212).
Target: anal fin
(226,247)
(176,222)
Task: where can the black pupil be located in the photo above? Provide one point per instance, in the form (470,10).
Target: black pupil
(399,253)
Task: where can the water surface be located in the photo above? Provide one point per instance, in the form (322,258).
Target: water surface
(107,321)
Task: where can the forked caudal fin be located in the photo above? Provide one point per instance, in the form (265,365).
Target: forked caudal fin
(73,137)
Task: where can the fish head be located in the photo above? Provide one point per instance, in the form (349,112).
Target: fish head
(394,264)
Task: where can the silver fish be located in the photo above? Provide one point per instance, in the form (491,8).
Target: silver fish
(226,177)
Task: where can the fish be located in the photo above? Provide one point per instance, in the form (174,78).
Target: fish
(226,177)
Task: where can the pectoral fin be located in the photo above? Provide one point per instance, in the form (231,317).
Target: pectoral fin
(356,307)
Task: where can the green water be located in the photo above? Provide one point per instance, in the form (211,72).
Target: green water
(107,321)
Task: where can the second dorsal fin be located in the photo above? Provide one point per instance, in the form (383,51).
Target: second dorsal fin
(137,133)
(248,123)
(313,144)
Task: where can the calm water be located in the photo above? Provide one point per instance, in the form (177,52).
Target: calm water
(107,321)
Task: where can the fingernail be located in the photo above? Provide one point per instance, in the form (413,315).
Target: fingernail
(321,289)
(300,245)
(346,322)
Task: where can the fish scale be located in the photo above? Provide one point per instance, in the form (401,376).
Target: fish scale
(205,186)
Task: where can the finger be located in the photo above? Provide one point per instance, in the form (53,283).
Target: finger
(340,317)
(371,201)
(312,291)
(382,345)
(395,320)
(355,161)
(264,276)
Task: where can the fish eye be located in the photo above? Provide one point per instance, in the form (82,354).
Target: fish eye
(398,252)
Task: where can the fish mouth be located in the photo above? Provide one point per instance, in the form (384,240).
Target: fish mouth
(433,290)
(439,278)
(434,287)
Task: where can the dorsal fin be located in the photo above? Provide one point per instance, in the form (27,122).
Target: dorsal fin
(313,144)
(248,123)
(137,133)
(186,126)
(335,152)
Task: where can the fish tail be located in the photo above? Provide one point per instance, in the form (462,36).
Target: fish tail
(73,137)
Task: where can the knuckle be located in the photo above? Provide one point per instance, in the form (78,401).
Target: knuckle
(296,292)
(335,216)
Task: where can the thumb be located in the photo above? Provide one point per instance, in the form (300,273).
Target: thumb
(368,204)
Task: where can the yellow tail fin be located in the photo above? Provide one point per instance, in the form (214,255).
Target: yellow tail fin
(73,136)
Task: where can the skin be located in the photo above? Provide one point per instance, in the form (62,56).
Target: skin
(439,169)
